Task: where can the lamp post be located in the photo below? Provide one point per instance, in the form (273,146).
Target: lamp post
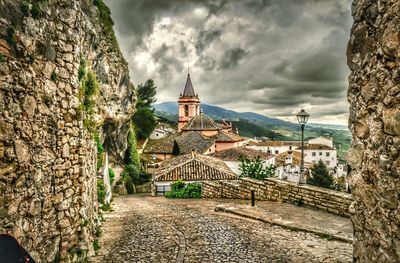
(302,118)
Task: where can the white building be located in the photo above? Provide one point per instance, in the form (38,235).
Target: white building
(161,132)
(315,152)
(274,147)
(288,166)
(232,157)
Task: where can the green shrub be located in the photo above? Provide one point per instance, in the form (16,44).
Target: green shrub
(11,36)
(129,185)
(180,190)
(254,168)
(99,232)
(2,59)
(105,207)
(96,245)
(54,76)
(24,6)
(101,191)
(100,148)
(82,69)
(106,20)
(36,11)
(112,175)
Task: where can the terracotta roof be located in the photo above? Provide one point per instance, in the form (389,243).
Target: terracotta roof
(228,137)
(187,141)
(201,122)
(193,167)
(162,145)
(280,158)
(277,143)
(316,146)
(188,91)
(193,140)
(234,154)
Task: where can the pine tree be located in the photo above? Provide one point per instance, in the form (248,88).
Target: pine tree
(146,94)
(320,176)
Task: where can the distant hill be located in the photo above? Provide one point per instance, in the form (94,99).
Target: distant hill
(251,124)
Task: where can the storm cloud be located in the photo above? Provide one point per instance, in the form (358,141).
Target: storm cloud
(272,57)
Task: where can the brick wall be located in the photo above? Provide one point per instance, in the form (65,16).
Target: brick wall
(281,191)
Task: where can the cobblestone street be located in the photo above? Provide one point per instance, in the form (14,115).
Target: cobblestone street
(156,229)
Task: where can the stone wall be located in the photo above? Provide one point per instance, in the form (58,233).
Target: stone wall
(48,195)
(373,55)
(281,191)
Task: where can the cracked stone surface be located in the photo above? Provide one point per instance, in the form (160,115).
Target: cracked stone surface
(156,229)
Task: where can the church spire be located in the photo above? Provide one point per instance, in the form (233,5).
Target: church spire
(188,91)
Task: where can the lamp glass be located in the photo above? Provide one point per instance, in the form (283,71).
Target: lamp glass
(302,117)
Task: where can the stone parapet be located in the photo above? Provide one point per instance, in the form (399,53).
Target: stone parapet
(281,191)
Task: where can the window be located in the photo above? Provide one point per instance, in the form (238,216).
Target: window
(290,147)
(276,152)
(328,154)
(186,110)
(314,161)
(320,153)
(314,154)
(327,162)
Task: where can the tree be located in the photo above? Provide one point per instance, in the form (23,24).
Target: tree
(132,155)
(320,176)
(146,94)
(254,168)
(145,122)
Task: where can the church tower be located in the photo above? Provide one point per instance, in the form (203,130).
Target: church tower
(189,104)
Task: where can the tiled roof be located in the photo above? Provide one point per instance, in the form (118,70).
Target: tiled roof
(276,143)
(163,145)
(201,122)
(316,146)
(187,141)
(188,91)
(193,140)
(280,158)
(228,137)
(234,154)
(193,167)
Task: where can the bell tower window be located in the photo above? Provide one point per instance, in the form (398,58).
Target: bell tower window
(186,110)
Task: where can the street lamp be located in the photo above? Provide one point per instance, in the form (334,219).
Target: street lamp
(302,118)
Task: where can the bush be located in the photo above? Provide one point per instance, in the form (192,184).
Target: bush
(320,176)
(11,36)
(254,168)
(107,22)
(53,77)
(101,191)
(24,8)
(82,69)
(180,190)
(96,245)
(112,175)
(2,59)
(36,11)
(100,148)
(129,185)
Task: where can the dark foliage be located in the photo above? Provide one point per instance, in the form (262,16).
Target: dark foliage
(320,176)
(145,122)
(180,190)
(146,94)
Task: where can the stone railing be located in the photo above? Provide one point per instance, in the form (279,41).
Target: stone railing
(281,191)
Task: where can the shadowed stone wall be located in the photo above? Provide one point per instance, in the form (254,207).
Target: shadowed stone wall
(276,190)
(374,95)
(48,193)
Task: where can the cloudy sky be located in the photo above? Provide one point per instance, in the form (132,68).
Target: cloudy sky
(272,57)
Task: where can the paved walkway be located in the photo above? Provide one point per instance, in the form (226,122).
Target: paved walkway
(295,218)
(156,229)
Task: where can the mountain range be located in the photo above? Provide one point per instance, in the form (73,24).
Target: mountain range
(251,124)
